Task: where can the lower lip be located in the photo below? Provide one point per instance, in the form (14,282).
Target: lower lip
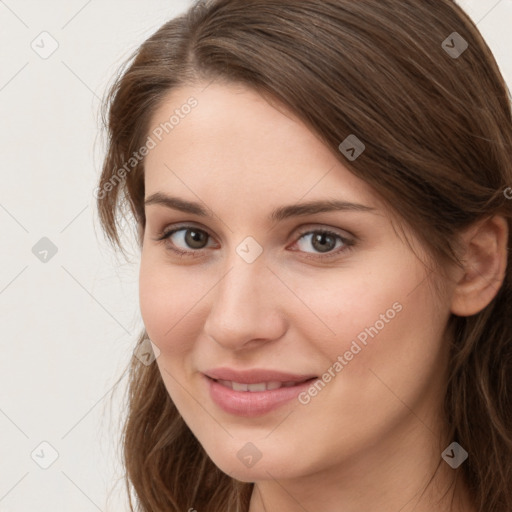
(252,403)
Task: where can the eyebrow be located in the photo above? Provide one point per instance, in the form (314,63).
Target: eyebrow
(278,214)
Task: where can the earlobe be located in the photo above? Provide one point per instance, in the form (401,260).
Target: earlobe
(485,262)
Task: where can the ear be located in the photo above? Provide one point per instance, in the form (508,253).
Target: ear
(485,262)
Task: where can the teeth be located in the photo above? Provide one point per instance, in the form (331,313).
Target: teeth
(260,386)
(239,387)
(255,387)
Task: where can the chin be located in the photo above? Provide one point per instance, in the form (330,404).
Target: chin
(237,464)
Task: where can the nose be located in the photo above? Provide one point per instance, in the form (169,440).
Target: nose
(245,311)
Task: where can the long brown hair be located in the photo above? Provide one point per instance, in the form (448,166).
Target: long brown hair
(434,114)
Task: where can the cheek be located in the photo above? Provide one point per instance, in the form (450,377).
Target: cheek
(385,318)
(172,302)
(358,303)
(387,346)
(164,299)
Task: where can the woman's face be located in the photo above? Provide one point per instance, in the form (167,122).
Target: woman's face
(278,341)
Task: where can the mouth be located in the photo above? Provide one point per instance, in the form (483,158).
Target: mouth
(250,395)
(259,386)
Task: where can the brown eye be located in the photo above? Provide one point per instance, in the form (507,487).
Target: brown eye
(195,238)
(186,239)
(323,242)
(190,241)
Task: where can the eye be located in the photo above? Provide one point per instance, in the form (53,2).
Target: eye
(190,238)
(190,241)
(324,241)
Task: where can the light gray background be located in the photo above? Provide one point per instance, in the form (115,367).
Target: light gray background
(68,325)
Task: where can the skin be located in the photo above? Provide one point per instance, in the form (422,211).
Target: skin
(372,438)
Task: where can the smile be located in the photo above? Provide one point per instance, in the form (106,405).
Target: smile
(257,397)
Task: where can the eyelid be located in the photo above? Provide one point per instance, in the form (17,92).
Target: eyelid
(311,228)
(167,231)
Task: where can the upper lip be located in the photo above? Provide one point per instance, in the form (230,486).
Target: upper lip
(255,376)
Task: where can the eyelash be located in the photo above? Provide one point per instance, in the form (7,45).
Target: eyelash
(348,244)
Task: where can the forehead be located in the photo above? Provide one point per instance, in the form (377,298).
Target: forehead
(237,145)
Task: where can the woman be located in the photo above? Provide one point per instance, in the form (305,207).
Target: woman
(320,191)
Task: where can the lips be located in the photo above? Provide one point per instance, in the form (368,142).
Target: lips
(254,392)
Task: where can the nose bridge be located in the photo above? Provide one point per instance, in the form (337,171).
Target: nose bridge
(241,287)
(241,304)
